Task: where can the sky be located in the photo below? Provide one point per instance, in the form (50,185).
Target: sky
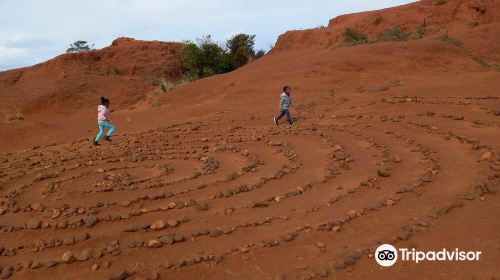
(33,31)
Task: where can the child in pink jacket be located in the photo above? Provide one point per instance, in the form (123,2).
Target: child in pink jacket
(103,121)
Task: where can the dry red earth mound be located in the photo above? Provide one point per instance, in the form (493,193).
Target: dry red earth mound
(394,142)
(124,72)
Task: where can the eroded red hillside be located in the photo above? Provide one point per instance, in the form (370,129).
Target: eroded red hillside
(123,71)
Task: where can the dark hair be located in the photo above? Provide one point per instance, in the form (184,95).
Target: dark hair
(104,100)
(285,87)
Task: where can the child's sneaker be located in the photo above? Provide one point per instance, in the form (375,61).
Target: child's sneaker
(96,143)
(275,121)
(107,139)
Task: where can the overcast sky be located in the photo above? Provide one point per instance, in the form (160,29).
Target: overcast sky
(33,31)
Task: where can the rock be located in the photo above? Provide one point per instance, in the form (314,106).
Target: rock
(49,263)
(323,272)
(320,245)
(427,177)
(56,213)
(63,224)
(36,206)
(97,253)
(33,223)
(82,237)
(486,156)
(35,265)
(69,240)
(154,243)
(383,172)
(105,265)
(90,220)
(178,238)
(6,273)
(203,206)
(172,223)
(396,158)
(350,258)
(94,267)
(84,255)
(159,225)
(167,239)
(2,211)
(68,257)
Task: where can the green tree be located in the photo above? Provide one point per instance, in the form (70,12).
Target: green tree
(260,53)
(79,47)
(241,50)
(204,58)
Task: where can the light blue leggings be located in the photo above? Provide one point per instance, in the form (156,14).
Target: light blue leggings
(102,127)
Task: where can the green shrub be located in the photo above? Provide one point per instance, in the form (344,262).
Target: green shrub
(454,42)
(204,58)
(393,33)
(377,20)
(79,47)
(240,48)
(353,36)
(13,115)
(418,33)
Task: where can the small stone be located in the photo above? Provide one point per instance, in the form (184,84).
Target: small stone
(350,257)
(6,273)
(35,265)
(82,237)
(323,272)
(84,255)
(154,243)
(203,206)
(94,267)
(68,257)
(69,240)
(49,263)
(159,225)
(383,172)
(33,223)
(320,245)
(396,158)
(105,265)
(36,206)
(56,213)
(63,224)
(172,223)
(427,177)
(90,220)
(486,156)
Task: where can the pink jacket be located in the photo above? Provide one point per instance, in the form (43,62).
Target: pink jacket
(102,114)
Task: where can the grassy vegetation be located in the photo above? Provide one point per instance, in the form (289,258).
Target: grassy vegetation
(459,44)
(353,36)
(377,20)
(12,115)
(393,33)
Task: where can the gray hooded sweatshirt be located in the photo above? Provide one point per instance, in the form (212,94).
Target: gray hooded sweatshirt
(285,101)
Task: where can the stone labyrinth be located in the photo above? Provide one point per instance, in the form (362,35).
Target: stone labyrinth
(193,195)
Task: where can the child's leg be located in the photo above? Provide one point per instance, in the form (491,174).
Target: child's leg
(101,131)
(282,113)
(288,117)
(111,129)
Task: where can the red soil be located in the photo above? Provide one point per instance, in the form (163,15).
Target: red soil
(394,142)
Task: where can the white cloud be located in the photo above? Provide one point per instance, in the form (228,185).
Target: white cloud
(33,31)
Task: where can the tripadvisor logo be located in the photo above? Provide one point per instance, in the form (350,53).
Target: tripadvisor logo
(387,255)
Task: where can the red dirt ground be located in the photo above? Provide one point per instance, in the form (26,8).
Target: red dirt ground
(394,142)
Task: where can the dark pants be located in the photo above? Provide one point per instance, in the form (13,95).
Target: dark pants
(285,112)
